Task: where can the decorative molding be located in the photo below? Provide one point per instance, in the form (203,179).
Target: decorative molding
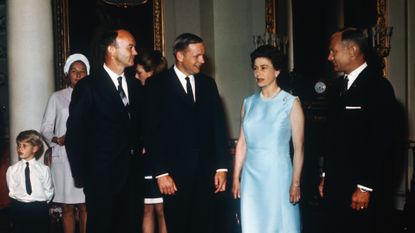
(158,25)
(383,46)
(125,3)
(61,35)
(270,17)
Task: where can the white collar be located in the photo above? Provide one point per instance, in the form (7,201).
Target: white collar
(353,75)
(112,74)
(181,75)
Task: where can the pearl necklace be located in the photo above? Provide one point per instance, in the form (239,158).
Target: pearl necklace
(273,94)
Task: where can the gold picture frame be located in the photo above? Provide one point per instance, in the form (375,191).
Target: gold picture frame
(62,37)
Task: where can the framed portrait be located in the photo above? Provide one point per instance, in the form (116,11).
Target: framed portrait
(78,25)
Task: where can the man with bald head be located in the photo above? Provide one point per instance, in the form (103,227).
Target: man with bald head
(103,136)
(359,129)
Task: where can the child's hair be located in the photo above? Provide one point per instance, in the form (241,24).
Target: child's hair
(34,138)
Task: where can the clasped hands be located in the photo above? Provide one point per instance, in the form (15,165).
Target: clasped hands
(167,185)
(59,140)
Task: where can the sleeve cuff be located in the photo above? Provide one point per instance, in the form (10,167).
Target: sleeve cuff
(364,188)
(222,170)
(164,174)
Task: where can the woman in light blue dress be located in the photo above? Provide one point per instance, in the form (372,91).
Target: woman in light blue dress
(265,177)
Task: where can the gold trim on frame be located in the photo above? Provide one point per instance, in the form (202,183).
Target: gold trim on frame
(158,25)
(270,25)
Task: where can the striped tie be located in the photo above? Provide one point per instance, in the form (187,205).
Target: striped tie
(121,92)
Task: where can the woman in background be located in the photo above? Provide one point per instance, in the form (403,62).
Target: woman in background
(147,64)
(54,129)
(270,183)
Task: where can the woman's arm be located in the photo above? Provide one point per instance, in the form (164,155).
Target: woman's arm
(240,154)
(297,122)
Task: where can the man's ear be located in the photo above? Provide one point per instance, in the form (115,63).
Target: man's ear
(353,50)
(179,56)
(111,49)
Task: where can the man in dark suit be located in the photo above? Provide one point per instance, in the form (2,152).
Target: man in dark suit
(103,136)
(359,136)
(186,139)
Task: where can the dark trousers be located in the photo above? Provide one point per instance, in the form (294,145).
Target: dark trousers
(32,217)
(115,212)
(192,208)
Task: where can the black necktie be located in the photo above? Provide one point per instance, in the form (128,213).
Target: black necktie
(27,179)
(344,85)
(121,92)
(189,89)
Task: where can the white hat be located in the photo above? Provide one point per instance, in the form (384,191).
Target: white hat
(73,58)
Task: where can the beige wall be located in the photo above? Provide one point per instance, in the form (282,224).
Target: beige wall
(402,72)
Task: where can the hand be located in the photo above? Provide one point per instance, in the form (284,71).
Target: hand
(220,181)
(236,189)
(295,193)
(79,182)
(321,187)
(59,140)
(360,200)
(166,185)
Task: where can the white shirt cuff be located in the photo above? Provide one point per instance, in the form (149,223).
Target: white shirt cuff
(364,188)
(164,174)
(222,170)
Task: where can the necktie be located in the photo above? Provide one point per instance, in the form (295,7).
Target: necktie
(344,86)
(27,179)
(121,92)
(189,89)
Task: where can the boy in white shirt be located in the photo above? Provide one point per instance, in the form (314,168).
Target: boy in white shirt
(30,186)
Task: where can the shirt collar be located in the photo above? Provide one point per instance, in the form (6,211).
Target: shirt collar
(181,75)
(112,74)
(353,75)
(29,161)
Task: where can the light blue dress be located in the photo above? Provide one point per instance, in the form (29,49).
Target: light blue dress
(267,171)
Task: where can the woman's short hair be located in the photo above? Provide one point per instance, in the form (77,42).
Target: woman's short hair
(270,52)
(151,60)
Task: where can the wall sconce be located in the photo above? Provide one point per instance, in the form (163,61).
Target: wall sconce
(381,38)
(381,34)
(270,36)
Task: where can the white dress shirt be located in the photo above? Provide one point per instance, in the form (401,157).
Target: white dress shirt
(40,178)
(353,75)
(114,78)
(182,79)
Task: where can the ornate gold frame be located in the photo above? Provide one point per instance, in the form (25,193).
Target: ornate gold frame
(270,16)
(61,34)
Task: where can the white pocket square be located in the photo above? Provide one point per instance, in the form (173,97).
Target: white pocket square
(353,107)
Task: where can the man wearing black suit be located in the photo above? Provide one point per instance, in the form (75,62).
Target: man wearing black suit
(103,136)
(359,136)
(186,139)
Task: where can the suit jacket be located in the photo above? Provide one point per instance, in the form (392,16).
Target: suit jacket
(359,133)
(101,138)
(185,138)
